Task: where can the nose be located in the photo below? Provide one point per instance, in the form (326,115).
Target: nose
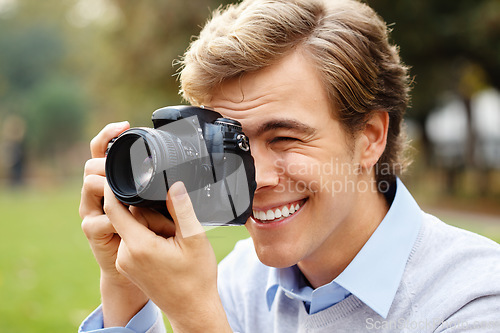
(266,168)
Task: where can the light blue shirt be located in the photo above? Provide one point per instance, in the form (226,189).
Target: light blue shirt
(373,275)
(141,322)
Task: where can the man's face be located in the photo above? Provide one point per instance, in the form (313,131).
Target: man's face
(305,170)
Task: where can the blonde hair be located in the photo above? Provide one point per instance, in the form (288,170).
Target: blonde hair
(347,41)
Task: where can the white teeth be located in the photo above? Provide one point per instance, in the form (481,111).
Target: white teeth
(285,212)
(276,214)
(259,215)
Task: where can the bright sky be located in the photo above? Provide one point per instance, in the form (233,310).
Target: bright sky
(449,123)
(7,6)
(85,12)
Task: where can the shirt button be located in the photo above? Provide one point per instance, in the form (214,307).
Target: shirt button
(290,296)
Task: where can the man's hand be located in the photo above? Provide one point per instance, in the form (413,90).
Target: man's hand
(121,299)
(179,273)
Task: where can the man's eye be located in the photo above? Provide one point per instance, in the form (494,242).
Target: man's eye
(283,139)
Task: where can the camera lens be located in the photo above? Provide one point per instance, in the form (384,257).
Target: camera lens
(132,168)
(144,174)
(142,162)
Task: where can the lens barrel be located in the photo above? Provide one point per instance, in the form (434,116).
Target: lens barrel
(135,164)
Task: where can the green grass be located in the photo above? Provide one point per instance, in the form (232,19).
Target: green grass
(488,226)
(49,281)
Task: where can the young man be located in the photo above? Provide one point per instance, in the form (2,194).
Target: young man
(338,243)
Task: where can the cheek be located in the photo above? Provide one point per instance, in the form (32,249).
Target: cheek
(300,170)
(298,165)
(325,177)
(326,165)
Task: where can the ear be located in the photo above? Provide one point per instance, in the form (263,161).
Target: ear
(374,139)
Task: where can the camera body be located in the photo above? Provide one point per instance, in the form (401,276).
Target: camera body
(208,153)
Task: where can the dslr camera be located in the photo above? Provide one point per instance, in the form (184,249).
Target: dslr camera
(208,153)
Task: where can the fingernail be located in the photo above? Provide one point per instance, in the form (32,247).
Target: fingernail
(178,191)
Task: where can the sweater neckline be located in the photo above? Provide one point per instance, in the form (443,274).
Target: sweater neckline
(330,315)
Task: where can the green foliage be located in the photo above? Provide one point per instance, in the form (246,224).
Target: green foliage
(28,56)
(55,111)
(35,84)
(442,41)
(140,50)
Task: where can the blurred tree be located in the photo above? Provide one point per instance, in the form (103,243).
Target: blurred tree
(451,46)
(12,148)
(143,44)
(442,41)
(37,80)
(55,112)
(27,56)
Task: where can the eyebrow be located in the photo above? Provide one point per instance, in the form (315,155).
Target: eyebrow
(285,124)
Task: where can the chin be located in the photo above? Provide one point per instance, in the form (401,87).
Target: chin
(275,257)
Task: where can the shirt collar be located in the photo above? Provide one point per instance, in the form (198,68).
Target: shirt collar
(375,273)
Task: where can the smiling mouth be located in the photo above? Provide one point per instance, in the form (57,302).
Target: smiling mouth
(278,213)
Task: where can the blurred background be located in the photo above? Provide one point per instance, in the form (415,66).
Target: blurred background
(67,68)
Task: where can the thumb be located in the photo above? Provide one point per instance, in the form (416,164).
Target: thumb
(180,207)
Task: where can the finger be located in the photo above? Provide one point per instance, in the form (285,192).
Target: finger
(154,220)
(97,227)
(137,214)
(99,143)
(180,207)
(125,224)
(95,166)
(92,194)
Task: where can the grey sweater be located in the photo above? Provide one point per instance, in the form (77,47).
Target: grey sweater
(451,283)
